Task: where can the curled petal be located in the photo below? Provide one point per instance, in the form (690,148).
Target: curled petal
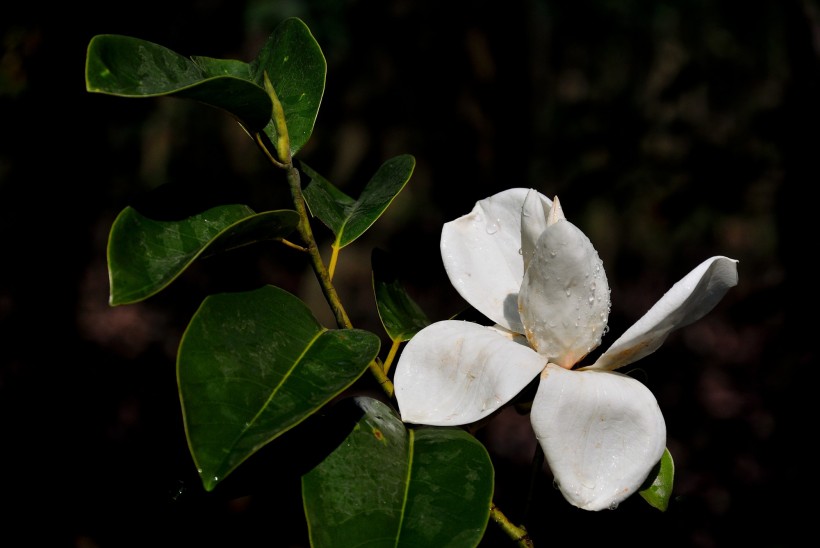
(456,372)
(687,301)
(482,255)
(601,432)
(564,299)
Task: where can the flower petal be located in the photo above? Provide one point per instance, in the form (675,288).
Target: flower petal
(481,253)
(564,299)
(687,301)
(601,432)
(533,223)
(456,372)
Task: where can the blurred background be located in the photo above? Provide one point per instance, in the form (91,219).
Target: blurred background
(671,130)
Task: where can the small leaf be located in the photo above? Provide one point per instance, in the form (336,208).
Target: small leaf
(145,255)
(349,218)
(660,491)
(297,69)
(388,486)
(253,365)
(401,316)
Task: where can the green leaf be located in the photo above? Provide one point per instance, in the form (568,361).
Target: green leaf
(388,486)
(297,69)
(660,491)
(130,67)
(349,218)
(146,255)
(252,366)
(400,315)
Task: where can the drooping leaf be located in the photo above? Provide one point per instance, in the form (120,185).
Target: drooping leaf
(389,486)
(131,67)
(349,218)
(658,493)
(146,255)
(400,315)
(297,69)
(253,365)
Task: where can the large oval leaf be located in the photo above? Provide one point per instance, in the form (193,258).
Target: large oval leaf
(388,486)
(349,218)
(253,365)
(145,255)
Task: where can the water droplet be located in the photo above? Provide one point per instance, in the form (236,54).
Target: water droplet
(568,292)
(520,251)
(492,228)
(613,506)
(555,484)
(591,300)
(553,253)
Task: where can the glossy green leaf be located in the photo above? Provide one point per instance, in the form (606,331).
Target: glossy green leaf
(297,69)
(400,315)
(145,255)
(349,218)
(253,365)
(660,491)
(131,67)
(389,486)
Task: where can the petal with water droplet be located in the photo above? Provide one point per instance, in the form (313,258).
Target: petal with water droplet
(564,299)
(456,372)
(686,302)
(480,251)
(601,432)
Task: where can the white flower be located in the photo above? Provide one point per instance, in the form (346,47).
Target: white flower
(518,261)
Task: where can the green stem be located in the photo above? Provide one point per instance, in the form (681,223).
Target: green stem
(518,534)
(305,231)
(322,274)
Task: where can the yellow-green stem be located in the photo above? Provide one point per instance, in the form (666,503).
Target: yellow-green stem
(391,356)
(334,256)
(517,534)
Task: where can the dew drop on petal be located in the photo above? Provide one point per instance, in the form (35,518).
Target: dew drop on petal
(492,228)
(613,506)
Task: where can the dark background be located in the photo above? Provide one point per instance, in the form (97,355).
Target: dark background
(671,130)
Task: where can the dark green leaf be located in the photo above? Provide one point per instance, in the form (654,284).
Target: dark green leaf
(253,365)
(401,316)
(130,67)
(349,218)
(297,69)
(293,60)
(145,255)
(388,486)
(660,491)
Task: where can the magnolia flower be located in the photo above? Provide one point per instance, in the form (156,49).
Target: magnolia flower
(518,261)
